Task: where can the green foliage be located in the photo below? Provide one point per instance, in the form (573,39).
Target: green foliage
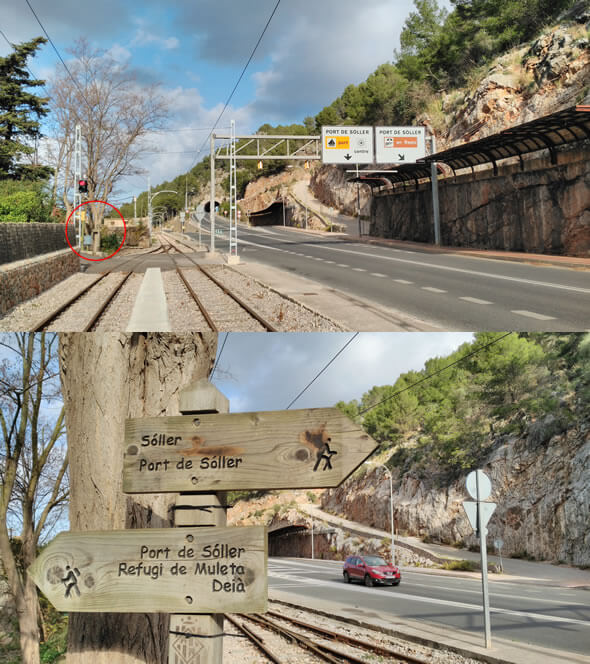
(461,565)
(20,111)
(24,201)
(234,496)
(110,241)
(439,50)
(447,424)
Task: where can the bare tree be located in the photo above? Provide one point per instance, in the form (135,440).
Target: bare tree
(115,114)
(33,467)
(107,378)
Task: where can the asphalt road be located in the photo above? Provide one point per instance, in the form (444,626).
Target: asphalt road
(449,291)
(556,618)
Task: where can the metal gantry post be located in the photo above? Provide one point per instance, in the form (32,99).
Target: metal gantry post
(484,565)
(212,194)
(77,178)
(435,205)
(233,194)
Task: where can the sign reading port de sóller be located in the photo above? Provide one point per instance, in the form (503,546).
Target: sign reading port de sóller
(347,145)
(399,145)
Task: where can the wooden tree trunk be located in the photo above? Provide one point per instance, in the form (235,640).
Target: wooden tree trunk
(107,378)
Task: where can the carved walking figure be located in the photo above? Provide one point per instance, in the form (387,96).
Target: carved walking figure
(326,454)
(70,581)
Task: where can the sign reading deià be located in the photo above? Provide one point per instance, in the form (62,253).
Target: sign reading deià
(159,569)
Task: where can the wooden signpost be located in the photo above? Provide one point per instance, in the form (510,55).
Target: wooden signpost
(311,448)
(156,569)
(200,569)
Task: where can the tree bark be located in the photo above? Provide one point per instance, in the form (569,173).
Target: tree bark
(107,378)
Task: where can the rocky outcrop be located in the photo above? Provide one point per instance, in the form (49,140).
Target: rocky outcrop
(541,484)
(330,185)
(542,209)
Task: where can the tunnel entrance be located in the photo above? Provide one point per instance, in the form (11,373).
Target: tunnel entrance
(270,216)
(208,205)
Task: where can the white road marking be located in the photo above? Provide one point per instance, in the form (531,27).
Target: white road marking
(358,269)
(342,265)
(378,274)
(448,268)
(475,300)
(403,281)
(433,600)
(329,262)
(532,314)
(431,289)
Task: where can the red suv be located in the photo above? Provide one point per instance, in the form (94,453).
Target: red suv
(371,570)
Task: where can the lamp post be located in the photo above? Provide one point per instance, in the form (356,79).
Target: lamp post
(369,463)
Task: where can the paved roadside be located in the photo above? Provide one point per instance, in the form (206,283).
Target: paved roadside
(303,192)
(503,651)
(516,571)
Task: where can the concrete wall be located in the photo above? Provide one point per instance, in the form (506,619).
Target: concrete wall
(22,280)
(20,241)
(541,209)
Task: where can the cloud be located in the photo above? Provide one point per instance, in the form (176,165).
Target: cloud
(256,383)
(143,37)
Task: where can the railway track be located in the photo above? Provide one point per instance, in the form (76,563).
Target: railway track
(316,640)
(199,297)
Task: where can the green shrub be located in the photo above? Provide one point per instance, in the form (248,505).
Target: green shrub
(24,201)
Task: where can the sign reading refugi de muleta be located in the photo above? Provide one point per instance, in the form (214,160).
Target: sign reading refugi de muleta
(309,448)
(399,145)
(156,569)
(347,145)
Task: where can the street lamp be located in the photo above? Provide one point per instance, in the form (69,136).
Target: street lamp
(370,463)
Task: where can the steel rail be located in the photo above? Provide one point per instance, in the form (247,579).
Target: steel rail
(327,653)
(269,326)
(198,301)
(344,638)
(258,641)
(56,312)
(109,298)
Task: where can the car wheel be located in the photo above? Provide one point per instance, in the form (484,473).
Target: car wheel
(396,583)
(368,581)
(347,577)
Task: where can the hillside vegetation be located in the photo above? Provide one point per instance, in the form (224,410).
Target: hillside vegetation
(449,423)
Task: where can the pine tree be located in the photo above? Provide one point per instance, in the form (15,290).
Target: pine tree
(20,111)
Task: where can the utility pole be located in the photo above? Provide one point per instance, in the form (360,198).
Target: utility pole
(77,178)
(135,209)
(233,194)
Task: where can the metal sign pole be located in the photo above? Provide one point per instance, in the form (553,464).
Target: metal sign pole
(435,202)
(312,548)
(484,565)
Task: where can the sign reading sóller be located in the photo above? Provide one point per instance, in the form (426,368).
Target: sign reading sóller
(400,145)
(347,145)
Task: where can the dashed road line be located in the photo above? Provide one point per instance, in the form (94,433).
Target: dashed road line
(358,269)
(475,300)
(403,281)
(431,289)
(532,314)
(378,274)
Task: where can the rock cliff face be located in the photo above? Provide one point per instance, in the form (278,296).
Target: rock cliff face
(541,484)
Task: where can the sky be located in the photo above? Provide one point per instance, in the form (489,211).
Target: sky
(267,371)
(197,49)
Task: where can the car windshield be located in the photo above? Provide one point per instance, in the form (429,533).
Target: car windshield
(374,561)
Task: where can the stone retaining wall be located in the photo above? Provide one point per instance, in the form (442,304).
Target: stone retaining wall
(22,280)
(20,241)
(542,209)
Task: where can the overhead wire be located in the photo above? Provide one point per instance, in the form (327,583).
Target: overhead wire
(220,354)
(59,56)
(435,373)
(311,382)
(240,77)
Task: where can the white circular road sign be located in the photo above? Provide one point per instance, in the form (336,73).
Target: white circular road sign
(475,478)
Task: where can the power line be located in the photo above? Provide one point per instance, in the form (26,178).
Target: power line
(220,353)
(435,373)
(59,56)
(354,336)
(241,75)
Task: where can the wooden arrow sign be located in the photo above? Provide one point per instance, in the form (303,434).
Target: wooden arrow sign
(196,570)
(290,449)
